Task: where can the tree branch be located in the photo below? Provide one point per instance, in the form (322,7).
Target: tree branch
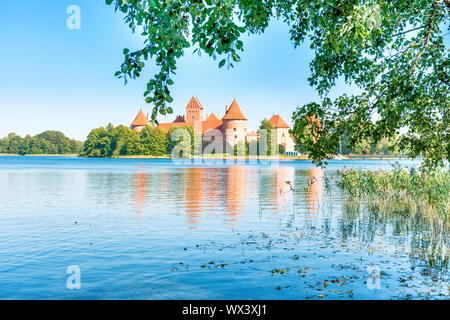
(427,35)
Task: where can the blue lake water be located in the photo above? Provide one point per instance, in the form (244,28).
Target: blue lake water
(155,229)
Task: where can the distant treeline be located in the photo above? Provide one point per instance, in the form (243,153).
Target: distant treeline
(386,146)
(120,141)
(123,141)
(48,142)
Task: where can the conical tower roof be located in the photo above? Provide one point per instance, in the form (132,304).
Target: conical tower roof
(278,122)
(141,119)
(212,117)
(234,112)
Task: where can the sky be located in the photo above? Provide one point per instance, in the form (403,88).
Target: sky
(54,78)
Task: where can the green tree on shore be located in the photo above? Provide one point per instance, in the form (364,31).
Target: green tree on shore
(154,141)
(241,149)
(48,142)
(121,140)
(98,143)
(184,138)
(266,131)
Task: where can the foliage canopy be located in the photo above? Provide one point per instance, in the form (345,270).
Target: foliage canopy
(394,52)
(48,142)
(121,140)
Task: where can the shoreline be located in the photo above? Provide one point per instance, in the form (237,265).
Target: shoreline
(209,157)
(213,157)
(282,158)
(39,155)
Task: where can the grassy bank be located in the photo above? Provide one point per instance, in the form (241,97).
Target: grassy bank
(205,156)
(218,157)
(229,156)
(399,190)
(40,155)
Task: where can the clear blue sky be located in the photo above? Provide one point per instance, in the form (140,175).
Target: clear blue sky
(60,79)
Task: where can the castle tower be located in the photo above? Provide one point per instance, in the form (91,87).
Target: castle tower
(282,136)
(140,122)
(194,110)
(234,124)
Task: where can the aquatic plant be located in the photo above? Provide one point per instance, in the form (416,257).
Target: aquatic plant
(399,190)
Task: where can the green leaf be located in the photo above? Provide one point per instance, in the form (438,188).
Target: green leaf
(169,99)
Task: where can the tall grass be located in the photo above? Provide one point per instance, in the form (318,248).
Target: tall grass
(399,190)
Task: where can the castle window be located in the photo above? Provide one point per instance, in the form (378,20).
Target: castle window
(235,137)
(234,129)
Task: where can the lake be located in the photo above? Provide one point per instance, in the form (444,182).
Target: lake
(155,229)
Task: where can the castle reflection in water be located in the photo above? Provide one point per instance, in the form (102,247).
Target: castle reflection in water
(201,191)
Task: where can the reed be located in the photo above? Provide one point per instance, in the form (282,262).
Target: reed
(399,190)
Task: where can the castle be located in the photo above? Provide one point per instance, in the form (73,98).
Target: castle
(231,128)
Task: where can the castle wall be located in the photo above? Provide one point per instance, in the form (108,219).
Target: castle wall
(252,137)
(235,131)
(215,134)
(283,137)
(138,128)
